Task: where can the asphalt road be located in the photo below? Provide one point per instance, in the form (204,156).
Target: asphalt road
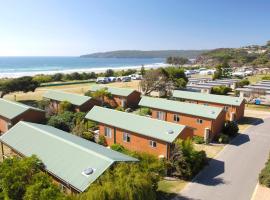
(233,174)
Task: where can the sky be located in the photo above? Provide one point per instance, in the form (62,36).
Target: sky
(76,27)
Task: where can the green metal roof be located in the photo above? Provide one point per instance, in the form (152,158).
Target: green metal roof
(113,90)
(74,99)
(135,123)
(12,109)
(64,155)
(181,107)
(221,99)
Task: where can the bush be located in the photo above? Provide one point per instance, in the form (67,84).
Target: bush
(88,136)
(224,139)
(198,139)
(65,106)
(264,177)
(144,111)
(102,140)
(120,108)
(243,82)
(266,78)
(230,128)
(220,90)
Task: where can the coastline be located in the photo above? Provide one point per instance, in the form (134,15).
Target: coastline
(87,70)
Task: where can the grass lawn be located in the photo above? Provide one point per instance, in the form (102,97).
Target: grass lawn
(168,189)
(211,150)
(258,107)
(255,78)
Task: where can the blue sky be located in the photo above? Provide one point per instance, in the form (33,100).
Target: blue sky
(71,28)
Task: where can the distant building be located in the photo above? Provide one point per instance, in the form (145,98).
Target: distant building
(124,97)
(138,133)
(206,121)
(74,163)
(12,112)
(233,106)
(81,103)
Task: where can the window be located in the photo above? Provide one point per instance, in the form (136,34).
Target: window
(126,137)
(152,143)
(199,121)
(226,108)
(108,132)
(176,118)
(160,115)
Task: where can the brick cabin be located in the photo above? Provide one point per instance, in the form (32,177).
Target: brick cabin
(138,133)
(121,97)
(12,112)
(81,103)
(206,121)
(73,162)
(233,106)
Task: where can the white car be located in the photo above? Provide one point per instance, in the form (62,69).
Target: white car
(102,80)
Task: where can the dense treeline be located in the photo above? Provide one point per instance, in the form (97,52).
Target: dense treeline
(177,60)
(146,54)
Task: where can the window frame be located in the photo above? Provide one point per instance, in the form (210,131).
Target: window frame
(199,121)
(161,113)
(105,132)
(126,137)
(177,117)
(152,143)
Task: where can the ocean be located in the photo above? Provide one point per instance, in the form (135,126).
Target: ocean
(29,66)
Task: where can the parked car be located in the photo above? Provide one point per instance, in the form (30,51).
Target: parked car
(102,80)
(112,79)
(126,79)
(135,77)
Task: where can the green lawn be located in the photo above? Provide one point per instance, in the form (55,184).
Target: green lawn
(171,186)
(255,78)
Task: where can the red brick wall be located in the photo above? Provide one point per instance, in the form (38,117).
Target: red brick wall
(3,125)
(137,142)
(239,110)
(191,121)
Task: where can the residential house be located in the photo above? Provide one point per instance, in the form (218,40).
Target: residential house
(121,97)
(138,133)
(81,103)
(233,106)
(206,121)
(73,162)
(12,112)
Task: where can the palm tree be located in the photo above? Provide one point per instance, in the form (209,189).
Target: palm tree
(101,94)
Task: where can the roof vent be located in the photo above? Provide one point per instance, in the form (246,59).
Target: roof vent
(88,171)
(213,112)
(170,131)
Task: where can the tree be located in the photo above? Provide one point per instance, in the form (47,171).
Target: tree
(24,84)
(142,70)
(176,60)
(223,71)
(177,76)
(65,106)
(101,94)
(123,182)
(109,72)
(63,121)
(230,128)
(155,80)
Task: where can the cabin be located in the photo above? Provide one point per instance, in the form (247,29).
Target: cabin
(206,121)
(138,133)
(12,112)
(234,107)
(200,88)
(73,162)
(81,103)
(121,97)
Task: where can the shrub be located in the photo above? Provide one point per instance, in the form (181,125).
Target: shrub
(224,139)
(220,90)
(65,106)
(120,108)
(198,139)
(243,82)
(102,140)
(88,136)
(230,128)
(266,78)
(144,111)
(264,177)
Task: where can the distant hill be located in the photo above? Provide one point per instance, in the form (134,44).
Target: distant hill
(146,54)
(253,55)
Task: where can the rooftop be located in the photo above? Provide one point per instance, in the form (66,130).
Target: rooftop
(135,123)
(11,109)
(221,99)
(181,107)
(64,155)
(200,86)
(74,99)
(114,90)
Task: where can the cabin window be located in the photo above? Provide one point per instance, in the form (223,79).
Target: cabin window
(108,132)
(152,143)
(126,137)
(176,118)
(160,115)
(199,121)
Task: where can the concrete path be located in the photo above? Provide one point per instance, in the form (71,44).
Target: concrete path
(233,174)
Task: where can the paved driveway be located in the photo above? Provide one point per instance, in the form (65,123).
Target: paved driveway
(233,174)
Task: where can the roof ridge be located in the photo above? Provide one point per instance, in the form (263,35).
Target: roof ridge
(66,141)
